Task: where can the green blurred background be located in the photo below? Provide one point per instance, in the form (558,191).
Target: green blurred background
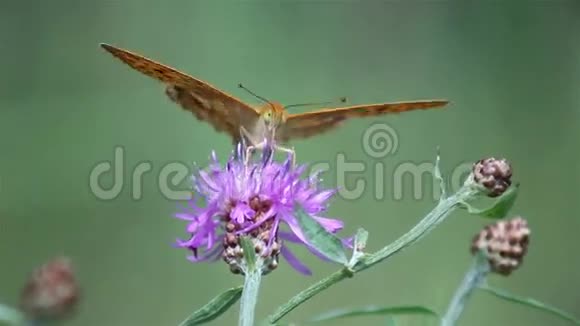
(511,71)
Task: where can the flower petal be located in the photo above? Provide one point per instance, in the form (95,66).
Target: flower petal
(323,196)
(331,225)
(185,216)
(241,212)
(293,224)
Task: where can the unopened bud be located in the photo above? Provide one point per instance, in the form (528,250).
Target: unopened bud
(493,174)
(504,244)
(52,292)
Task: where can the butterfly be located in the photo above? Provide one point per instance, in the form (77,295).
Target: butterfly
(267,124)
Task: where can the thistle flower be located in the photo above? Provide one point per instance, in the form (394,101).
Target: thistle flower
(504,243)
(253,200)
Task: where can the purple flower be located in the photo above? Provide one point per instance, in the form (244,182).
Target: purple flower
(255,200)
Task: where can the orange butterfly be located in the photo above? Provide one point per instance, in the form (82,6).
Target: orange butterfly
(262,125)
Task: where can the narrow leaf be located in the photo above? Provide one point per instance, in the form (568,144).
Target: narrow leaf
(532,303)
(500,208)
(360,240)
(325,242)
(439,176)
(249,253)
(360,243)
(374,311)
(214,308)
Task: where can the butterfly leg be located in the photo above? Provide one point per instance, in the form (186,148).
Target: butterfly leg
(249,150)
(262,146)
(290,151)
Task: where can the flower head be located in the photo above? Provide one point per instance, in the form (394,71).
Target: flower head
(51,292)
(255,200)
(504,244)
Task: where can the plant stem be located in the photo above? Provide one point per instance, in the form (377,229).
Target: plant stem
(249,298)
(427,224)
(473,278)
(11,315)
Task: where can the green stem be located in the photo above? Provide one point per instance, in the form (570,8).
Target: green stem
(474,277)
(249,298)
(427,224)
(11,315)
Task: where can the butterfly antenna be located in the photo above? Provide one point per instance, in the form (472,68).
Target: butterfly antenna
(252,93)
(341,100)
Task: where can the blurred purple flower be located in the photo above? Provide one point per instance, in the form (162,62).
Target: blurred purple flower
(254,200)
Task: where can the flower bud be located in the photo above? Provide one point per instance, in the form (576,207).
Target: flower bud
(493,174)
(504,244)
(52,292)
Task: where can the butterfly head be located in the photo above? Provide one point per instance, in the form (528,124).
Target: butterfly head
(273,114)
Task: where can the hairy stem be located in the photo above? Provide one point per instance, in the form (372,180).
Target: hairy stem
(473,278)
(250,296)
(427,224)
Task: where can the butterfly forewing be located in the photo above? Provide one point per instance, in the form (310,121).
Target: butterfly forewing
(223,111)
(304,125)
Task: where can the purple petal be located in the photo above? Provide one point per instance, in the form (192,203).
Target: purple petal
(294,262)
(208,181)
(192,227)
(210,255)
(241,212)
(348,242)
(273,233)
(289,237)
(293,224)
(263,220)
(323,196)
(210,238)
(181,243)
(331,225)
(185,216)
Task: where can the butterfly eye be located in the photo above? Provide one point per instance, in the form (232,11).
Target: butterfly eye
(268,115)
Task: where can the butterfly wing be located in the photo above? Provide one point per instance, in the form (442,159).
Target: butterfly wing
(207,103)
(304,125)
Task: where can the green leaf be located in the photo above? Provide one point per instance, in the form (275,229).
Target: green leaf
(374,311)
(532,303)
(326,243)
(249,252)
(214,308)
(500,208)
